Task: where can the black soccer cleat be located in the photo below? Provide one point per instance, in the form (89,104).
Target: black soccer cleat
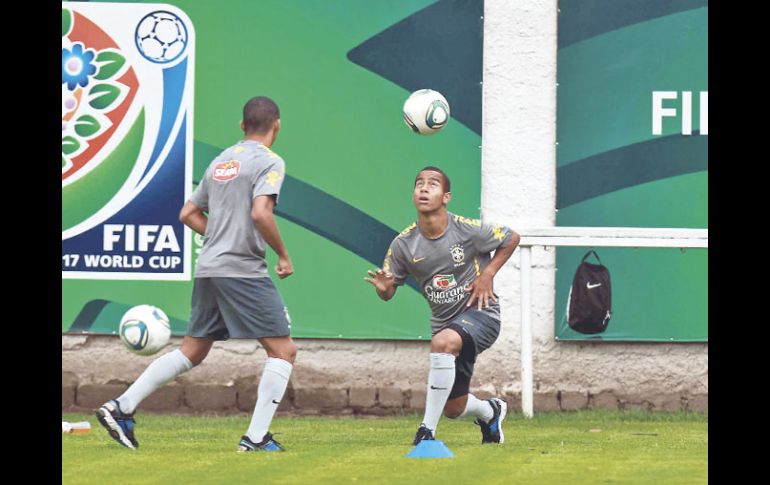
(423,433)
(120,425)
(267,444)
(492,430)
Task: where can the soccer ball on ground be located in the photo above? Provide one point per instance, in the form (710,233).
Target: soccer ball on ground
(426,111)
(145,329)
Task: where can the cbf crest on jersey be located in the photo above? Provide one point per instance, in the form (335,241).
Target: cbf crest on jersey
(126,162)
(458,254)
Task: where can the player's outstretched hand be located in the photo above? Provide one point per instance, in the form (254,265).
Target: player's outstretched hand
(382,280)
(284,268)
(481,289)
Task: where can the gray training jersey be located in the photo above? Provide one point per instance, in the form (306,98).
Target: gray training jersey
(445,266)
(233,247)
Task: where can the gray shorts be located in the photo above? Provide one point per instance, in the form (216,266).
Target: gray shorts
(225,308)
(478,330)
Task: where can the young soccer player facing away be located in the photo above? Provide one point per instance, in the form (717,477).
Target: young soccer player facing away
(233,295)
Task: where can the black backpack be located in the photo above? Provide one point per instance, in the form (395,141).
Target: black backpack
(589,304)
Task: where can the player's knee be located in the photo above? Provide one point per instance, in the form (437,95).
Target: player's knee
(446,342)
(438,343)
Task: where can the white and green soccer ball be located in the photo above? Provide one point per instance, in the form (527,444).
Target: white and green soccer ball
(426,111)
(145,329)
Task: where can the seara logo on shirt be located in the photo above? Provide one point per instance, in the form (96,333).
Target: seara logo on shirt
(224,171)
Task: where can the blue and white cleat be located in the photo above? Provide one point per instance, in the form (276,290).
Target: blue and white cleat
(492,430)
(120,425)
(267,444)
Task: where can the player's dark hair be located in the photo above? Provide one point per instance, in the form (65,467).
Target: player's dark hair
(259,113)
(444,183)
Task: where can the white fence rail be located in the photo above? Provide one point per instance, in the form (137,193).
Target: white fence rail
(624,237)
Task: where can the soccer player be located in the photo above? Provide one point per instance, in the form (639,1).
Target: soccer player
(449,257)
(233,295)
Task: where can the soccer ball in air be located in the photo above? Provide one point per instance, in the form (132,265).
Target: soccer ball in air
(145,329)
(426,111)
(161,36)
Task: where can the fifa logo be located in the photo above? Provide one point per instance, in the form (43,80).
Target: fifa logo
(126,156)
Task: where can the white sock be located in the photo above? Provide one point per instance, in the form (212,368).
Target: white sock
(272,386)
(159,372)
(440,381)
(478,408)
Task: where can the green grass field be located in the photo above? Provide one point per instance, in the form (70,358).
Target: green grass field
(591,447)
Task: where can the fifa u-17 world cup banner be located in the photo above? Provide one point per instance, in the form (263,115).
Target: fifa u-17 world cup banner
(127,97)
(632,130)
(340,72)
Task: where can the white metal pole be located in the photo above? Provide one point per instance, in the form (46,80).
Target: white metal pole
(526,332)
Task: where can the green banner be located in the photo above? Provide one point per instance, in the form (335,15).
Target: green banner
(632,131)
(340,72)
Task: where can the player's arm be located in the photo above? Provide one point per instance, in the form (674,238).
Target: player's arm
(264,220)
(193,217)
(384,283)
(482,287)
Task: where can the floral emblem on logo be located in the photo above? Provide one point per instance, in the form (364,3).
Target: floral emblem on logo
(96,82)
